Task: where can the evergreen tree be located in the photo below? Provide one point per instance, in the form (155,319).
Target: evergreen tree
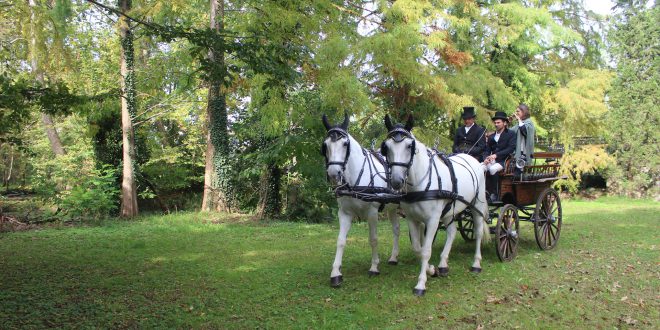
(635,99)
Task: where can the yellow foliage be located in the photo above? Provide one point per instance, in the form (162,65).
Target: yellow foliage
(580,104)
(586,159)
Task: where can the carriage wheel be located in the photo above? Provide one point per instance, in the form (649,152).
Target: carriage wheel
(506,233)
(547,219)
(466,225)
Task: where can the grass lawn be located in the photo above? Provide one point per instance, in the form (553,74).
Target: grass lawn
(201,271)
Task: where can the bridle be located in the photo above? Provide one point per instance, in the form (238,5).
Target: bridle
(398,134)
(335,134)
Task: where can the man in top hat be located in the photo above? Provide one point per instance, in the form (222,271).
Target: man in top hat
(499,146)
(469,138)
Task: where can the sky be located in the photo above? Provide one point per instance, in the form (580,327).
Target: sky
(602,7)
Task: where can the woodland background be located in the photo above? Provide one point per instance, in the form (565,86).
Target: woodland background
(111,108)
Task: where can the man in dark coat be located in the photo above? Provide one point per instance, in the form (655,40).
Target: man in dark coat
(499,146)
(469,138)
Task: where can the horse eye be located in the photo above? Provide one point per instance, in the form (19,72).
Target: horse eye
(345,143)
(410,146)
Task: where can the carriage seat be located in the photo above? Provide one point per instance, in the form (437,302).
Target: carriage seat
(537,172)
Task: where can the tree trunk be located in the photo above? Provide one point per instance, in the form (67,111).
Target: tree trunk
(46,119)
(7,178)
(217,171)
(53,137)
(129,207)
(269,193)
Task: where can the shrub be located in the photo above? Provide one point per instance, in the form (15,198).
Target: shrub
(94,197)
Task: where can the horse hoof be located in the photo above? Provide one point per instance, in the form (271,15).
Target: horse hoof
(443,271)
(335,282)
(393,263)
(475,270)
(371,274)
(436,272)
(419,292)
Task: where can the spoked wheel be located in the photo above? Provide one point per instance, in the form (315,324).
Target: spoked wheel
(466,225)
(506,233)
(547,219)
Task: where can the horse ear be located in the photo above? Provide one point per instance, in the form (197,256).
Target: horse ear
(409,123)
(325,122)
(344,125)
(388,122)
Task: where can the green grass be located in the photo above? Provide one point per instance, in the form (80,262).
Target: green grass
(187,271)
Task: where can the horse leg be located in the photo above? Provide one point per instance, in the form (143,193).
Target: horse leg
(481,231)
(420,288)
(373,241)
(443,267)
(344,226)
(396,227)
(415,230)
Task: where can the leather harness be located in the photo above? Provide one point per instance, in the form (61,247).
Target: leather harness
(371,193)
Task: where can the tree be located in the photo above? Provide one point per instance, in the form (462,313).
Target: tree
(129,207)
(634,117)
(217,170)
(46,119)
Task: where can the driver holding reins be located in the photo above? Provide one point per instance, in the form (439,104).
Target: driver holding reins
(469,138)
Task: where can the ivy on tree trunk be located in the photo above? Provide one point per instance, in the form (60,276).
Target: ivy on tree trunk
(129,207)
(269,193)
(217,175)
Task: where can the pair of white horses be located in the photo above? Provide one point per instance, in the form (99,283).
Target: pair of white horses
(413,168)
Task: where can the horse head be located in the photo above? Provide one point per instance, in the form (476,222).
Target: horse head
(336,149)
(399,150)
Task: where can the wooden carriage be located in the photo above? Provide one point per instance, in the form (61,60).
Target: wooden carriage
(525,195)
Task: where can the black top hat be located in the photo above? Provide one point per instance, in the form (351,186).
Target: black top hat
(500,115)
(468,112)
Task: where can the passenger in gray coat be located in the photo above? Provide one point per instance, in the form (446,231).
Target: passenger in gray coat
(524,131)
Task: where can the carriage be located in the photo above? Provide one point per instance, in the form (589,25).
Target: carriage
(527,196)
(433,196)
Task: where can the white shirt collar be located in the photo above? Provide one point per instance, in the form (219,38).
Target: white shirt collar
(497,136)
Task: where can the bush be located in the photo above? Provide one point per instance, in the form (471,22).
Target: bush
(93,198)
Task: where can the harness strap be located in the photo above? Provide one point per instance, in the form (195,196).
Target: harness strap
(454,185)
(418,196)
(371,194)
(362,169)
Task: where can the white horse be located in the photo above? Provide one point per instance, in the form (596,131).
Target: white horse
(430,195)
(354,170)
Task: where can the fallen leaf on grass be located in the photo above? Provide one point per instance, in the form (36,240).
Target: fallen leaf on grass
(493,300)
(627,320)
